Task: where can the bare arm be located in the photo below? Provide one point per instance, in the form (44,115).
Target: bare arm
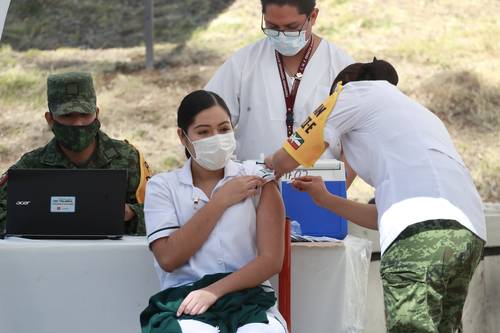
(174,251)
(364,215)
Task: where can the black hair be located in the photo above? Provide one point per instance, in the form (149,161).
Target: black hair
(194,103)
(305,6)
(375,70)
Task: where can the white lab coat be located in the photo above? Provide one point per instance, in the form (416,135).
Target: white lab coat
(249,83)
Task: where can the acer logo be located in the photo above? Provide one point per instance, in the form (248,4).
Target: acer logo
(22,203)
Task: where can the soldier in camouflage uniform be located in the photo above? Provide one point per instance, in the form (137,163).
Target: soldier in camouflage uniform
(79,144)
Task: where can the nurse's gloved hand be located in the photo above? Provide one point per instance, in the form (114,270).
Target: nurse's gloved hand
(314,186)
(196,302)
(238,189)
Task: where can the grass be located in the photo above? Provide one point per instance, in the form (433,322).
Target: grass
(463,99)
(16,83)
(446,52)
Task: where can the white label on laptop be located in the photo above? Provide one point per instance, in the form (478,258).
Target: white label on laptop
(62,204)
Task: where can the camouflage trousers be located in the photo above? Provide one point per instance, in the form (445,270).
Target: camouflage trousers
(426,274)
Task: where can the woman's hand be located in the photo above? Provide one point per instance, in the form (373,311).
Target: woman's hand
(238,189)
(197,302)
(314,186)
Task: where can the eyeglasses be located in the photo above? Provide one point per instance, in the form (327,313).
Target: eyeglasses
(275,33)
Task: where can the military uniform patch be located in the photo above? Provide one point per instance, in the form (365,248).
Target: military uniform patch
(145,175)
(72,88)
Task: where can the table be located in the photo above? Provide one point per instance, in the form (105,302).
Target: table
(329,286)
(53,286)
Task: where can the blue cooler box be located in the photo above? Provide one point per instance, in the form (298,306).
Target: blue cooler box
(314,220)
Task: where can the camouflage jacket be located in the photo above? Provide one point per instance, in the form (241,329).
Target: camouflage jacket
(109,154)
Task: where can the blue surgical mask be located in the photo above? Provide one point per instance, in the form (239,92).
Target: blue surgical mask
(288,46)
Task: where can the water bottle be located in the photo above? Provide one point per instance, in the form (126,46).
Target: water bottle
(295,228)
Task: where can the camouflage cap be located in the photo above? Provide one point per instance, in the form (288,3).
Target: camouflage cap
(71,92)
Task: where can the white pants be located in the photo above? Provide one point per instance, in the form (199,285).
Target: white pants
(194,326)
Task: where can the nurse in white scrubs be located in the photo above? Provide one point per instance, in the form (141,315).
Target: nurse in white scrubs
(271,86)
(428,212)
(213,216)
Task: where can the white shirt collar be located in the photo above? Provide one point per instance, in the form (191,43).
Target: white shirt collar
(186,177)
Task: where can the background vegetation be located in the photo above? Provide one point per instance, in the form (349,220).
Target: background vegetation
(447,53)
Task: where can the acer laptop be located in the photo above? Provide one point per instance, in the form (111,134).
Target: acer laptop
(62,203)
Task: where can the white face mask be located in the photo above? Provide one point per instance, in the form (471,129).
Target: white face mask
(289,46)
(212,153)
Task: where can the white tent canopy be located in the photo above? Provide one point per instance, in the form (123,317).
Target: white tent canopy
(4,5)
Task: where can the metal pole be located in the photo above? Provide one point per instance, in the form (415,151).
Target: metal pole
(148,33)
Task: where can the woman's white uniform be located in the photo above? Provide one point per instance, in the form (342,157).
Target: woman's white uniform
(401,149)
(171,201)
(405,152)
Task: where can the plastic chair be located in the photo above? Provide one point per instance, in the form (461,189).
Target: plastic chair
(285,279)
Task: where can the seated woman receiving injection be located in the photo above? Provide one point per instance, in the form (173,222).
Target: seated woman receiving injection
(216,231)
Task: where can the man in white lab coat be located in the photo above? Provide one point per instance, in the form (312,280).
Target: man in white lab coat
(272,85)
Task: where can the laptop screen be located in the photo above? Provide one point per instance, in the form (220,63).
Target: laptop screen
(69,203)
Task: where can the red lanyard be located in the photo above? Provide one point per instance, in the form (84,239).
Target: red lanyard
(290,96)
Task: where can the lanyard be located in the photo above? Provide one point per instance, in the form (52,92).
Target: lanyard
(290,95)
